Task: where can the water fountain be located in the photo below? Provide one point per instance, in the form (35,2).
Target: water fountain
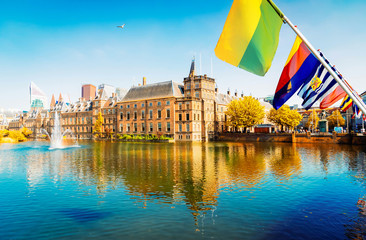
(57,135)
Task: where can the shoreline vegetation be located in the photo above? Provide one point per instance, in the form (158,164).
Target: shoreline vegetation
(15,136)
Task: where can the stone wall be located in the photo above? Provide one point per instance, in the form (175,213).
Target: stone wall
(298,138)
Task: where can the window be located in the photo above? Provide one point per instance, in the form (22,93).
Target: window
(198,117)
(168,113)
(194,117)
(128,106)
(143,114)
(159,126)
(159,103)
(168,126)
(121,127)
(188,136)
(135,127)
(105,111)
(121,115)
(143,127)
(143,105)
(197,94)
(109,111)
(150,104)
(135,106)
(151,114)
(151,127)
(180,127)
(187,117)
(197,85)
(134,115)
(128,127)
(114,111)
(180,117)
(187,106)
(159,114)
(128,116)
(187,127)
(180,106)
(167,103)
(121,106)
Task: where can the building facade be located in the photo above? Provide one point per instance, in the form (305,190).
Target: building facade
(192,111)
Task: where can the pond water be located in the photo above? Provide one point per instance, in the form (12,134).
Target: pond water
(104,190)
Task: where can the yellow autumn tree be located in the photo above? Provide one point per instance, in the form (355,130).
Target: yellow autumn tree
(244,112)
(313,121)
(26,131)
(98,125)
(336,119)
(17,135)
(284,117)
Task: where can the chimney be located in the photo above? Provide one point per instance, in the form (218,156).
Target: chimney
(236,93)
(228,91)
(143,81)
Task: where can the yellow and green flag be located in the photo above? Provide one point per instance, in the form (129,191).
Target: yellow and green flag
(249,39)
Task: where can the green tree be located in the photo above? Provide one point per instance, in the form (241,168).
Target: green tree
(284,117)
(336,119)
(98,125)
(244,112)
(313,120)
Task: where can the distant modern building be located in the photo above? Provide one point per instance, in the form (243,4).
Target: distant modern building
(88,91)
(38,98)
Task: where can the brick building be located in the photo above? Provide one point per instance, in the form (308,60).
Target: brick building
(192,111)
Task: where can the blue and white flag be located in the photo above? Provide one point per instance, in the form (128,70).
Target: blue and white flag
(356,111)
(317,88)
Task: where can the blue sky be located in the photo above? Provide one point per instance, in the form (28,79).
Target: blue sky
(61,45)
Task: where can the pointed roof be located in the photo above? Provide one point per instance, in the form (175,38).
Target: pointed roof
(155,90)
(53,101)
(191,72)
(60,98)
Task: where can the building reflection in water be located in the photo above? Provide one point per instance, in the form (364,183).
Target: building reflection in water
(182,173)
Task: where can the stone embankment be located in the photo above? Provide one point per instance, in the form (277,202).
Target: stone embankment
(293,138)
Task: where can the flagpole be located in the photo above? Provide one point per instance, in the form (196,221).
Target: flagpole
(350,93)
(344,86)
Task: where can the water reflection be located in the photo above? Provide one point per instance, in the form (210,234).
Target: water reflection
(192,175)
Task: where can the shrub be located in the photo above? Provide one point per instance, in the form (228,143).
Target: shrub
(17,135)
(26,132)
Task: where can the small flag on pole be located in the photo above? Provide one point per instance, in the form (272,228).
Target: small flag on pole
(318,88)
(346,103)
(356,111)
(333,97)
(250,36)
(300,67)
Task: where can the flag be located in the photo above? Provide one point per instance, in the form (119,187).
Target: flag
(318,88)
(346,103)
(250,36)
(356,111)
(37,97)
(333,97)
(300,67)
